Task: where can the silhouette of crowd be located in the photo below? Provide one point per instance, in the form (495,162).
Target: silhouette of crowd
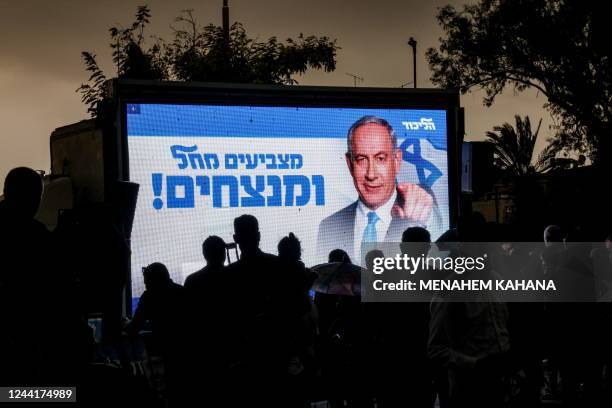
(267,330)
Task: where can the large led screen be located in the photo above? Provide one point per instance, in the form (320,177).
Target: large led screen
(201,166)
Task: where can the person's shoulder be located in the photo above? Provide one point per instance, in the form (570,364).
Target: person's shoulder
(346,213)
(4,212)
(30,226)
(232,269)
(194,278)
(270,262)
(177,287)
(189,279)
(270,259)
(144,299)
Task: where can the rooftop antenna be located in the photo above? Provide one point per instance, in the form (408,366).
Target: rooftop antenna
(355,78)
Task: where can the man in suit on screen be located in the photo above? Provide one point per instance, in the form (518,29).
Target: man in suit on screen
(384,208)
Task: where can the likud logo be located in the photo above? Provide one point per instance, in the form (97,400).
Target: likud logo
(424,123)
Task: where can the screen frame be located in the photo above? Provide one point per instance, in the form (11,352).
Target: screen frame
(200,93)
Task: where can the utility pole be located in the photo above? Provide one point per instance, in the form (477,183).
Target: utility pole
(355,78)
(226,25)
(412,42)
(226,38)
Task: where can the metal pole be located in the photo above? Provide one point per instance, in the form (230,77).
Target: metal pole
(226,26)
(412,42)
(414,64)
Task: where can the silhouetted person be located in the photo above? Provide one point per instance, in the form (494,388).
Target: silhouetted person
(290,254)
(39,307)
(338,255)
(553,234)
(204,283)
(290,248)
(398,340)
(416,235)
(259,336)
(297,278)
(159,304)
(26,268)
(567,324)
(573,332)
(525,322)
(602,263)
(207,295)
(160,309)
(327,303)
(589,318)
(469,340)
(301,318)
(23,188)
(550,259)
(341,336)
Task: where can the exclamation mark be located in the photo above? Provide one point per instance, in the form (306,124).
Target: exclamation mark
(157,190)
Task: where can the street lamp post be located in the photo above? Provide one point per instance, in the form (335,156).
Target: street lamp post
(412,42)
(225,16)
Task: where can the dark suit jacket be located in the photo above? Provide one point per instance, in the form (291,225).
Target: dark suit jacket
(337,232)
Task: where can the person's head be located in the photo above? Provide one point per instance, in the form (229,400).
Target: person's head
(338,255)
(213,250)
(156,276)
(246,233)
(472,227)
(371,256)
(23,189)
(290,248)
(373,159)
(417,241)
(416,234)
(552,234)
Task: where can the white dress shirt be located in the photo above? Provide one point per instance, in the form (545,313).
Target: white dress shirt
(361,222)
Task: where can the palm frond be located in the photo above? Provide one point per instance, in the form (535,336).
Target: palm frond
(514,148)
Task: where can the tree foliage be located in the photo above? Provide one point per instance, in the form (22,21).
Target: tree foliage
(514,147)
(93,92)
(204,53)
(131,58)
(559,47)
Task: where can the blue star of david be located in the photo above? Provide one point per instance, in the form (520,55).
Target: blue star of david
(427,172)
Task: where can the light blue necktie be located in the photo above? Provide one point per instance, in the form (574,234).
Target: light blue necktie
(369,234)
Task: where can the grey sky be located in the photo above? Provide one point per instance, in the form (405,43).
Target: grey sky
(40,65)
